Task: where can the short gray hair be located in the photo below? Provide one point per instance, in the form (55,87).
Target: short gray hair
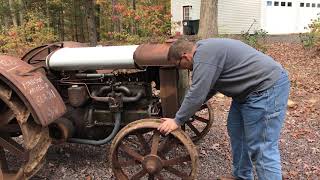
(178,48)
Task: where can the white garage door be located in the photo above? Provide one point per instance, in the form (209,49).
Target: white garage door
(285,17)
(307,12)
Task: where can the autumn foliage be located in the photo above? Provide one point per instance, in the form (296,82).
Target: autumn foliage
(34,23)
(133,24)
(16,40)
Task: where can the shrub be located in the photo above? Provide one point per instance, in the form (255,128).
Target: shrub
(16,40)
(312,38)
(307,39)
(256,40)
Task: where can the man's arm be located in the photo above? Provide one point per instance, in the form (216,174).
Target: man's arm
(204,77)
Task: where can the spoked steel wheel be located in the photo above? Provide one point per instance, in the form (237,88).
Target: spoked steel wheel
(200,124)
(140,151)
(23,143)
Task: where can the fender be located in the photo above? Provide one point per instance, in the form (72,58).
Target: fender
(37,92)
(41,52)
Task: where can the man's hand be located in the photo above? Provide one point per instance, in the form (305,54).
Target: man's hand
(168,126)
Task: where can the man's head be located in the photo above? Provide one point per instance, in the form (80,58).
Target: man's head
(181,54)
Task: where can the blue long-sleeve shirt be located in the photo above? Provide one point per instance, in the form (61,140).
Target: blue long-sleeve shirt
(230,67)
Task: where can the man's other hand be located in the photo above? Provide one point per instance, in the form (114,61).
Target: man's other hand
(168,126)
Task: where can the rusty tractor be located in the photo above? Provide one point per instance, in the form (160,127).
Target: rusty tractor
(70,93)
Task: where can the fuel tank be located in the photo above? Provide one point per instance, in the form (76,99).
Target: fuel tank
(110,57)
(92,58)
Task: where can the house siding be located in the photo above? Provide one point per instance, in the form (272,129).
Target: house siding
(177,13)
(236,16)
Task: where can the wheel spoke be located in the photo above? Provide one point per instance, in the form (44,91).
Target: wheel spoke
(10,128)
(155,142)
(13,147)
(176,172)
(151,177)
(7,116)
(159,177)
(136,156)
(166,145)
(183,127)
(127,163)
(175,161)
(194,129)
(201,119)
(131,141)
(3,160)
(139,175)
(203,106)
(143,142)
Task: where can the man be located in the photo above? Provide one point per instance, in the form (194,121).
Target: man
(259,88)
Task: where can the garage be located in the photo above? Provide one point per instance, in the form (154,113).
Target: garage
(236,16)
(285,17)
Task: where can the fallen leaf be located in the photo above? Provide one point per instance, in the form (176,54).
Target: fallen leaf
(291,104)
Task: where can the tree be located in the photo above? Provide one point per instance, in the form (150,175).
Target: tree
(208,19)
(13,14)
(5,14)
(21,11)
(92,30)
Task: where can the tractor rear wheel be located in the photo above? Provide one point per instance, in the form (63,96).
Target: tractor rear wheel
(23,143)
(200,123)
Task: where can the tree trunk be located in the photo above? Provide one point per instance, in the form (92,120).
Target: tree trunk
(134,26)
(1,24)
(115,22)
(80,19)
(91,22)
(61,24)
(98,21)
(21,12)
(13,13)
(48,12)
(75,24)
(208,19)
(6,22)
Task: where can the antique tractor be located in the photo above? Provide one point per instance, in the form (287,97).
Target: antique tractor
(67,92)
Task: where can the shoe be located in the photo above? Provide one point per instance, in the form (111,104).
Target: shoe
(229,177)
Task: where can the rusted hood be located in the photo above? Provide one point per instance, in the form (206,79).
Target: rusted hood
(153,54)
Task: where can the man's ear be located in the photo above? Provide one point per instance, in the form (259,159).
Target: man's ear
(187,56)
(184,55)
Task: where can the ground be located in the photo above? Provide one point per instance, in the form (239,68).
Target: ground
(299,143)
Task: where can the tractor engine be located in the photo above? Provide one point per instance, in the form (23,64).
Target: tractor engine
(104,89)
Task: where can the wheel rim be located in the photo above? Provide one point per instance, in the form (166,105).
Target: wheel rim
(137,154)
(23,143)
(200,124)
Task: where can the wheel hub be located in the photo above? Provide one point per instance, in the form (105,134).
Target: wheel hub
(152,164)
